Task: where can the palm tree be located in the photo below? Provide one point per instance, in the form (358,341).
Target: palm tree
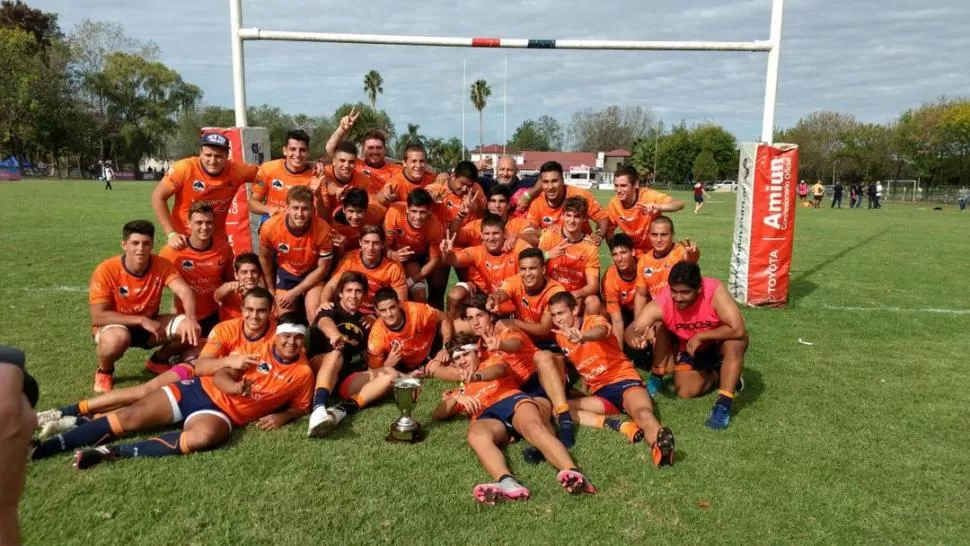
(409,138)
(373,86)
(480,93)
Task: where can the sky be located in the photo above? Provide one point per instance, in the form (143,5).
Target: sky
(873,59)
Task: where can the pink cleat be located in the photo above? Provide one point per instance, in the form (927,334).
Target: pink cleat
(574,482)
(491,493)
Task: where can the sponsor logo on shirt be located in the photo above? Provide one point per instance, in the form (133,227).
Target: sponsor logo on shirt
(198,186)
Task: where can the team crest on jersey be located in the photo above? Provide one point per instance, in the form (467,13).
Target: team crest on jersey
(187,264)
(525,302)
(277,184)
(648,271)
(264,368)
(547,220)
(283,247)
(198,185)
(123,291)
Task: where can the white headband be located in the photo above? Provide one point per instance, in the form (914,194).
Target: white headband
(467,348)
(291,329)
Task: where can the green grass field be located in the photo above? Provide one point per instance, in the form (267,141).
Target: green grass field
(861,438)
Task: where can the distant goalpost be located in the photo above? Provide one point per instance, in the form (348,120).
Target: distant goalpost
(239,34)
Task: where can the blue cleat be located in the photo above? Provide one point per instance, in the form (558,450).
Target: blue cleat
(566,431)
(655,385)
(720,417)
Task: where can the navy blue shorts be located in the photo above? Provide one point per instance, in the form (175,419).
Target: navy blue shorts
(533,387)
(612,394)
(208,323)
(504,410)
(420,259)
(286,280)
(188,398)
(549,345)
(707,359)
(699,199)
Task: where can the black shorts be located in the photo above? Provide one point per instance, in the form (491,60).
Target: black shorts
(208,323)
(706,359)
(138,336)
(320,344)
(420,259)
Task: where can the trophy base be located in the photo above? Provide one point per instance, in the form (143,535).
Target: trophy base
(409,436)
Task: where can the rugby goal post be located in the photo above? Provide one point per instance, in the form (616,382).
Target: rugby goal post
(771,46)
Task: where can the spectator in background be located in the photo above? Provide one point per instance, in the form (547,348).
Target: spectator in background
(699,195)
(818,192)
(962,197)
(876,204)
(109,173)
(855,195)
(837,195)
(802,191)
(507,174)
(871,194)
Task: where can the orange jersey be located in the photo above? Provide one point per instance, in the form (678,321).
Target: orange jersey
(578,260)
(491,392)
(330,190)
(447,204)
(373,216)
(296,253)
(652,273)
(521,363)
(128,293)
(274,384)
(231,306)
(599,363)
(228,338)
(274,180)
(635,221)
(541,215)
(204,270)
(471,233)
(387,273)
(380,175)
(403,185)
(415,336)
(487,271)
(190,183)
(423,242)
(530,307)
(618,293)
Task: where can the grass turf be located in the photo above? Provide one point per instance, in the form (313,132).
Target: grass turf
(860,438)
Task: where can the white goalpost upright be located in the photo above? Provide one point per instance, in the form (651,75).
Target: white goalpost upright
(772,46)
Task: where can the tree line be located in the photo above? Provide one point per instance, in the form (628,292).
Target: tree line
(94,93)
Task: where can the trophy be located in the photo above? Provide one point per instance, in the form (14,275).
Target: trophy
(406,429)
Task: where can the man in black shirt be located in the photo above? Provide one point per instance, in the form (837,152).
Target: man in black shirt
(506,174)
(837,195)
(338,342)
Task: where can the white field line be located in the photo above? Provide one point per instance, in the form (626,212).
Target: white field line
(59,288)
(884,309)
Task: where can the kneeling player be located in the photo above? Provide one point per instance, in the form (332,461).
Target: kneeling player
(711,334)
(611,378)
(571,258)
(208,407)
(619,288)
(248,274)
(500,412)
(338,341)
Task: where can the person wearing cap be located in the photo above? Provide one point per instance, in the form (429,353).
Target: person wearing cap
(210,176)
(18,395)
(207,407)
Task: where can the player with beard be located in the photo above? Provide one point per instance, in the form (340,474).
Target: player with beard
(375,163)
(654,266)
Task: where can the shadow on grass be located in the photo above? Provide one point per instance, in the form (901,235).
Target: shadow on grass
(754,385)
(800,287)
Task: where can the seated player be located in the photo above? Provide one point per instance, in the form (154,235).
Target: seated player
(248,274)
(234,343)
(571,259)
(547,209)
(610,377)
(654,266)
(516,227)
(633,207)
(371,262)
(340,177)
(295,253)
(413,237)
(619,288)
(500,413)
(529,291)
(338,339)
(275,178)
(205,263)
(488,263)
(414,174)
(710,332)
(208,407)
(124,298)
(356,211)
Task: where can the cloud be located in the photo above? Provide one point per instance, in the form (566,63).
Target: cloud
(870,58)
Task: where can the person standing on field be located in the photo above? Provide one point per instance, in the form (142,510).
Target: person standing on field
(108,175)
(837,190)
(818,192)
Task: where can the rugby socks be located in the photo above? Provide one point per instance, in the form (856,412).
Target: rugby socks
(347,407)
(160,446)
(96,432)
(655,384)
(566,430)
(508,482)
(724,398)
(612,424)
(75,410)
(320,397)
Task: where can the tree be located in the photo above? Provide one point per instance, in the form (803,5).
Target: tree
(676,155)
(723,148)
(528,137)
(43,26)
(819,138)
(373,86)
(369,120)
(479,95)
(143,99)
(412,136)
(551,130)
(21,89)
(609,129)
(705,166)
(444,154)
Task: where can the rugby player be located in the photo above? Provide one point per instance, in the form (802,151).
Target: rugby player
(375,161)
(414,174)
(275,178)
(413,238)
(572,259)
(372,262)
(546,209)
(356,210)
(339,177)
(248,275)
(498,203)
(633,207)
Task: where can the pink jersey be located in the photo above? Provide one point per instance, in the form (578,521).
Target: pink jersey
(699,317)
